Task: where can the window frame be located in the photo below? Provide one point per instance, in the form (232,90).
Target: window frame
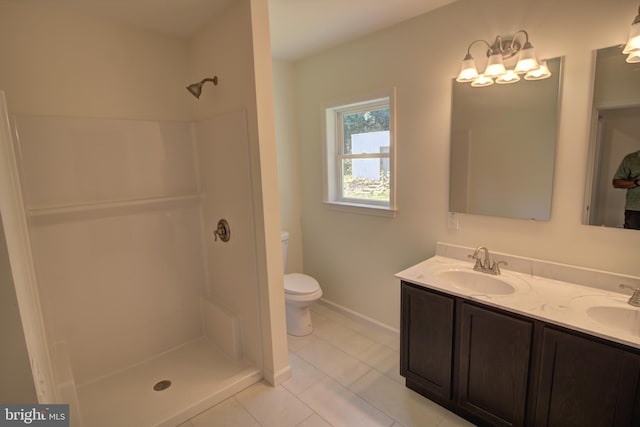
(334,146)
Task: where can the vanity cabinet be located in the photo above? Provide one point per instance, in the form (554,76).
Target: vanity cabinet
(472,360)
(498,368)
(494,361)
(586,383)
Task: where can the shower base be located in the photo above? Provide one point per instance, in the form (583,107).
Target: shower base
(200,376)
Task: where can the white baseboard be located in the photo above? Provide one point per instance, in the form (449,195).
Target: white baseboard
(358,317)
(278,377)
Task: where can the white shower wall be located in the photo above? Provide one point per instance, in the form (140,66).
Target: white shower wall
(120,289)
(71,161)
(118,238)
(225,176)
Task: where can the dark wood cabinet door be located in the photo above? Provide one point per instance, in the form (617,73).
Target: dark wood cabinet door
(426,346)
(584,383)
(495,351)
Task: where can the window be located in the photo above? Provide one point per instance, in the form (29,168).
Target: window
(360,151)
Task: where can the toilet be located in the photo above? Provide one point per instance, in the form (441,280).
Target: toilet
(300,291)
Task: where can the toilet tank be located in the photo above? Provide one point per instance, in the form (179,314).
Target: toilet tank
(284,236)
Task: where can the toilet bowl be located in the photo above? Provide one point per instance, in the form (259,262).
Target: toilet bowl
(300,291)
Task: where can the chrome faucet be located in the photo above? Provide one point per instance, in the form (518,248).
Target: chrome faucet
(486,266)
(480,266)
(635,298)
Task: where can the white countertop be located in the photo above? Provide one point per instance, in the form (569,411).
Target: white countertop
(553,301)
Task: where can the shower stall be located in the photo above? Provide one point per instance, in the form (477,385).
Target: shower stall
(149,318)
(113,179)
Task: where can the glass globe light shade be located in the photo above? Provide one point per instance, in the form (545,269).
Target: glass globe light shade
(495,66)
(633,42)
(526,59)
(542,72)
(468,71)
(482,81)
(634,57)
(509,77)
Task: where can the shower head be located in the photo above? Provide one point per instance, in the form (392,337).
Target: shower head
(196,88)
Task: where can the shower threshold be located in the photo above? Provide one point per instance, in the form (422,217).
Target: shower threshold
(167,390)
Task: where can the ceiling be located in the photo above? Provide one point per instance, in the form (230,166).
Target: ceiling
(302,27)
(298,27)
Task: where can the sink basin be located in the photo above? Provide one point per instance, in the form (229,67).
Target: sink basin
(626,319)
(478,283)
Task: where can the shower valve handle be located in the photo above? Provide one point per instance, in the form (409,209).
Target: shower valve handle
(223,231)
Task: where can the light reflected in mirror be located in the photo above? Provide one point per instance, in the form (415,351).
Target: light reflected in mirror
(615,132)
(503,142)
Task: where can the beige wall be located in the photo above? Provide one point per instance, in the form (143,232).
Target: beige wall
(288,160)
(354,256)
(213,54)
(56,63)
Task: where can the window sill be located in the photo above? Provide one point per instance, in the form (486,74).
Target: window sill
(362,209)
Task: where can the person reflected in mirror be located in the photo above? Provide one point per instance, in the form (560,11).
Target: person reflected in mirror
(628,177)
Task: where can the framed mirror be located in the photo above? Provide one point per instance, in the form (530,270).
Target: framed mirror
(615,132)
(503,143)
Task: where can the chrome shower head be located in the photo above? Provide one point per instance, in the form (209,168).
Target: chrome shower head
(196,88)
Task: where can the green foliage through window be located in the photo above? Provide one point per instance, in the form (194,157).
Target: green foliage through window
(368,121)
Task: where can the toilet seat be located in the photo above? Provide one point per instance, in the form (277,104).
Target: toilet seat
(300,284)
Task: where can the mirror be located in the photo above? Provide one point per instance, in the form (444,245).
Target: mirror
(503,142)
(615,132)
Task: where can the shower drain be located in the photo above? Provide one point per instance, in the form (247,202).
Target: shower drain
(162,385)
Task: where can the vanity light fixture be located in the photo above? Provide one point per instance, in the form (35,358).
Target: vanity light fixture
(632,48)
(542,72)
(501,50)
(634,57)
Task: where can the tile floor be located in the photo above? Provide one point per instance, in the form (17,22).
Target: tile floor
(344,374)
